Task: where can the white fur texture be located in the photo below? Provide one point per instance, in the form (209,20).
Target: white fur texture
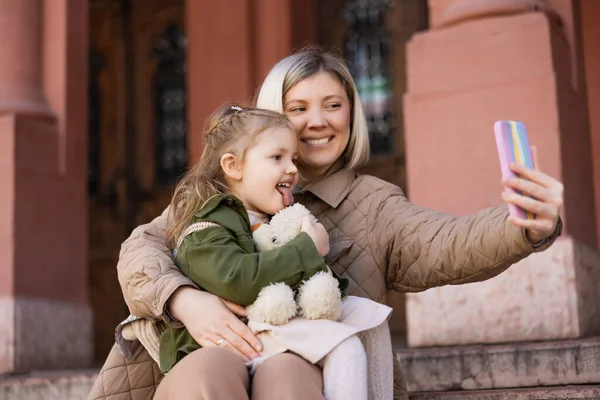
(320,298)
(275,305)
(263,238)
(286,224)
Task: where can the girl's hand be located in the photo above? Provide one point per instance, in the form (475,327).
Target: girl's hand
(318,234)
(547,199)
(211,322)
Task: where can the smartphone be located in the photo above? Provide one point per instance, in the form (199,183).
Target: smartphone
(513,147)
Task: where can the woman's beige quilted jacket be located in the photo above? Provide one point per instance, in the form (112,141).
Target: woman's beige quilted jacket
(379,242)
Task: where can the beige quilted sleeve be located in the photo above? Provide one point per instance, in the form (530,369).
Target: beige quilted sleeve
(425,248)
(147,273)
(127,379)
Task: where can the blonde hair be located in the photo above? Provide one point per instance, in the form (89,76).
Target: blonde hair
(304,64)
(230,129)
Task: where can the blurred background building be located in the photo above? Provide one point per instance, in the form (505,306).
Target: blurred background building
(102,104)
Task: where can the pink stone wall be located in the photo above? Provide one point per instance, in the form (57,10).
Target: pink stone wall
(7,195)
(590,15)
(271,47)
(43,171)
(20,83)
(65,81)
(218,31)
(461,80)
(461,77)
(242,40)
(550,295)
(436,10)
(50,245)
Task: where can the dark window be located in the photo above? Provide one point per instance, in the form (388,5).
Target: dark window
(368,46)
(170,105)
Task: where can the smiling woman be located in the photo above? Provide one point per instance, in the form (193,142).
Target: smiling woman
(320,97)
(322,118)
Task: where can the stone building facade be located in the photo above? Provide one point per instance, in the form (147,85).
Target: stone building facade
(102,104)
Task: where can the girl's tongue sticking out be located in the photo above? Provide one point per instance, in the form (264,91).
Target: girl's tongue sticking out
(286,193)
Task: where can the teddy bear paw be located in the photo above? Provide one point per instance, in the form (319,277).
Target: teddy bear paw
(274,305)
(320,298)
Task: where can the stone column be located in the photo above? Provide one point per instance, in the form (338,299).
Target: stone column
(483,61)
(590,14)
(243,40)
(21,78)
(273,35)
(218,61)
(44,312)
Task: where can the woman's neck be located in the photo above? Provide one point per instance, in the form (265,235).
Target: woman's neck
(307,175)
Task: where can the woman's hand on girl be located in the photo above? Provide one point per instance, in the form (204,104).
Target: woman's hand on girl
(542,196)
(212,323)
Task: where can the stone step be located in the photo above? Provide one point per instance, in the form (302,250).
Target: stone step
(515,365)
(75,385)
(48,385)
(565,392)
(435,373)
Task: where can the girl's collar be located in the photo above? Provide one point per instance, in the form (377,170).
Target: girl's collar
(257,217)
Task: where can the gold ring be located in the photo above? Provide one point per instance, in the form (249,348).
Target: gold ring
(220,342)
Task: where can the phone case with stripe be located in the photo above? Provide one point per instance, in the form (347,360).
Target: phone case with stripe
(513,147)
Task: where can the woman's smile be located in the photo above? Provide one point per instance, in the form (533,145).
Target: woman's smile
(318,142)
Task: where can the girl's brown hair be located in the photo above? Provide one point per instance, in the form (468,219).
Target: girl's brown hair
(230,129)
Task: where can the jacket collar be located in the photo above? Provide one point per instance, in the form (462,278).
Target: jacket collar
(215,201)
(333,186)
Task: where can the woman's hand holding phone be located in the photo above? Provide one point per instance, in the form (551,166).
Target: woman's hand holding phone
(534,198)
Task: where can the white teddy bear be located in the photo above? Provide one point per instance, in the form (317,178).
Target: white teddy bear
(319,297)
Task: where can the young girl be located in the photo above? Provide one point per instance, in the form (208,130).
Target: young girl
(247,172)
